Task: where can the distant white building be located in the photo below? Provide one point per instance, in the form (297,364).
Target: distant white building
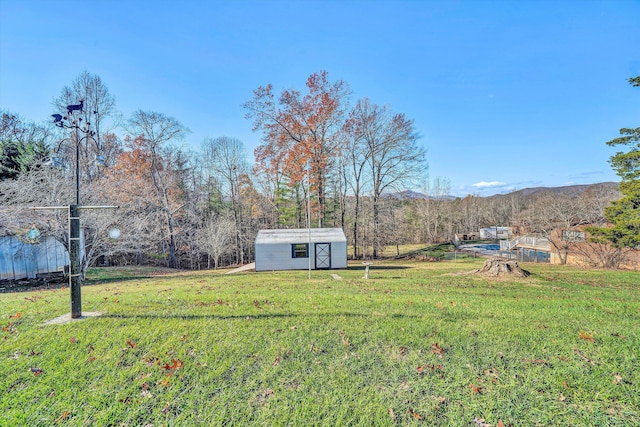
(496,233)
(325,248)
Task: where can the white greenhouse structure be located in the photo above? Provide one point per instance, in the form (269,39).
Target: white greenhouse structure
(20,260)
(300,249)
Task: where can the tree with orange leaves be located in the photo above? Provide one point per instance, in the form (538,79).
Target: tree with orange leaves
(300,130)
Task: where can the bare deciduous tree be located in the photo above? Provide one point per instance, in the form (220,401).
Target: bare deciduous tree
(433,208)
(556,217)
(226,159)
(394,159)
(156,132)
(98,114)
(216,236)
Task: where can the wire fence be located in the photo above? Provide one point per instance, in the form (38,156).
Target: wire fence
(524,255)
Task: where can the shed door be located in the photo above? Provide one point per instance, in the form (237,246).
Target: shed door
(323,255)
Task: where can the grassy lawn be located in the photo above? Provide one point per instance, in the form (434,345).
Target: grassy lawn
(414,344)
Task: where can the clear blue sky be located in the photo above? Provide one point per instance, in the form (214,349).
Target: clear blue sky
(506,94)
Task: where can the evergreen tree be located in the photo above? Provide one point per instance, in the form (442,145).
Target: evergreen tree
(624,213)
(23,146)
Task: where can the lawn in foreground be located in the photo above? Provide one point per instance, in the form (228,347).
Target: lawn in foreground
(415,344)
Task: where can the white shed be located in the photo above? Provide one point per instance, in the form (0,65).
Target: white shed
(326,248)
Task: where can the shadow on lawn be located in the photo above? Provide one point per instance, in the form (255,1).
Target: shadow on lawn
(373,267)
(105,281)
(264,316)
(33,285)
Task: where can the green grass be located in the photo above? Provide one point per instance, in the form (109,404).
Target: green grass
(414,344)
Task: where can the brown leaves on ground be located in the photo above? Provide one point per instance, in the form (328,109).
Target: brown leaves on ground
(62,417)
(10,327)
(175,364)
(617,379)
(415,414)
(492,373)
(169,370)
(587,337)
(437,350)
(424,368)
(344,340)
(476,389)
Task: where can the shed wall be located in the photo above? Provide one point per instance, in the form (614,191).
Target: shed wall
(278,257)
(273,251)
(338,255)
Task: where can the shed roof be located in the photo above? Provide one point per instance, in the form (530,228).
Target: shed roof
(300,235)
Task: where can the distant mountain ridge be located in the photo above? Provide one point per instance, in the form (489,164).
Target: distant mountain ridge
(569,190)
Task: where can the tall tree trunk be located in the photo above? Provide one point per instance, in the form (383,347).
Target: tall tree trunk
(321,197)
(355,227)
(166,208)
(173,263)
(376,224)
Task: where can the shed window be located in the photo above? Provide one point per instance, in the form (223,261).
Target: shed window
(300,250)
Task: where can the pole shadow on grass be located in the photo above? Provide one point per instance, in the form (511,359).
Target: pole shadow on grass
(264,316)
(106,281)
(374,266)
(34,285)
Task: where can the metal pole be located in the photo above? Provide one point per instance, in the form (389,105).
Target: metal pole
(77,169)
(75,279)
(309,214)
(75,247)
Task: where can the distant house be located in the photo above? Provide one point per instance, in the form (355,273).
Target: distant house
(576,248)
(301,248)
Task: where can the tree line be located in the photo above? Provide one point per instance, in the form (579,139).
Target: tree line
(321,162)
